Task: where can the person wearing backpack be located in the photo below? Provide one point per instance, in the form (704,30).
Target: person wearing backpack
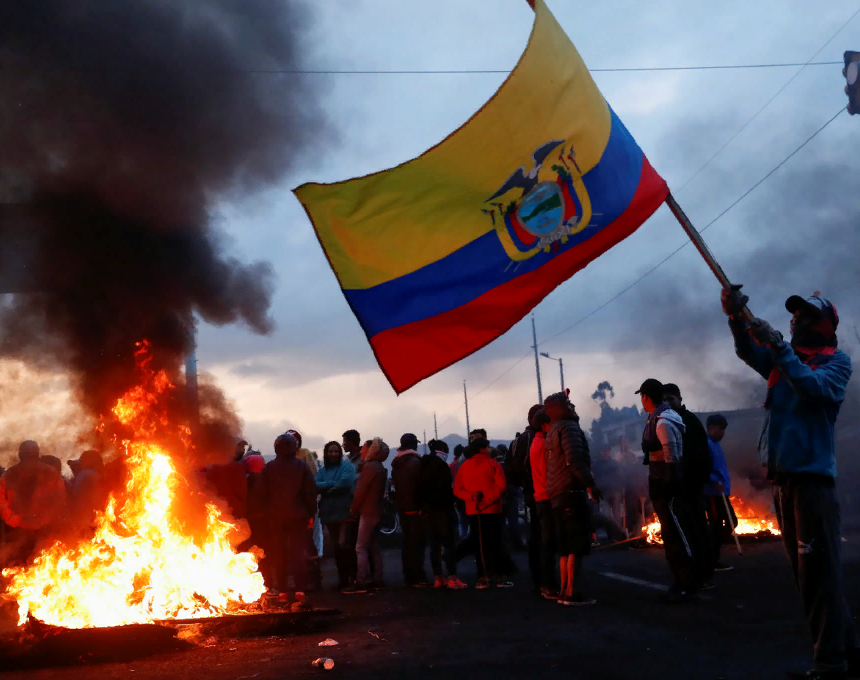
(696,472)
(519,473)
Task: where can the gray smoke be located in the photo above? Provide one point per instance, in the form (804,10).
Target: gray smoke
(123,125)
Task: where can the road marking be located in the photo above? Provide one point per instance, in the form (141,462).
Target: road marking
(645,584)
(635,581)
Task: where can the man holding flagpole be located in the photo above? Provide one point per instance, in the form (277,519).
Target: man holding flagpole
(806,383)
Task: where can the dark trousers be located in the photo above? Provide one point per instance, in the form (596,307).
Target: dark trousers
(488,544)
(535,542)
(701,537)
(718,525)
(809,519)
(440,527)
(352,538)
(674,527)
(288,542)
(511,508)
(412,553)
(546,519)
(344,554)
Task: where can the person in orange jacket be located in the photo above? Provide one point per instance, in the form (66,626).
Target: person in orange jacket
(481,484)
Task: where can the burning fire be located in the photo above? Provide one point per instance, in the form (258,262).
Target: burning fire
(144,562)
(749,523)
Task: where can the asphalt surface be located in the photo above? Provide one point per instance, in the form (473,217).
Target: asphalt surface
(750,627)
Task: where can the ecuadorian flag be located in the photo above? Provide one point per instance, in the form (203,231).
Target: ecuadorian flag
(444,253)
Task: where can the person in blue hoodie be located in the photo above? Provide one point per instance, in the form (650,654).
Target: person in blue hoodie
(807,379)
(717,510)
(336,483)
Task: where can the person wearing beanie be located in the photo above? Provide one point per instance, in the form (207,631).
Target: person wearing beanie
(481,484)
(807,378)
(291,495)
(436,500)
(405,474)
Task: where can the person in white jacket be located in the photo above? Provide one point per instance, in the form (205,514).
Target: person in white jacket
(662,443)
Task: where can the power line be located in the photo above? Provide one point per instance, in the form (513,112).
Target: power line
(767,103)
(637,69)
(663,261)
(707,226)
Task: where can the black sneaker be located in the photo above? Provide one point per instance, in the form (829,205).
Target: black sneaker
(356,589)
(819,675)
(723,567)
(676,595)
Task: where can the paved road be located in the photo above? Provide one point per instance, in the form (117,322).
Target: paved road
(749,628)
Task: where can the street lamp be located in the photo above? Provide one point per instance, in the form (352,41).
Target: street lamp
(560,367)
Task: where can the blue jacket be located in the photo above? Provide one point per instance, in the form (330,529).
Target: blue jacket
(719,471)
(336,484)
(797,436)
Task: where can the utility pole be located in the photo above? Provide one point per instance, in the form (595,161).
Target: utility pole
(192,390)
(425,442)
(537,364)
(560,367)
(435,427)
(466,398)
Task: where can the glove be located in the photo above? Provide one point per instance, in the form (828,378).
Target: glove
(733,300)
(765,334)
(478,496)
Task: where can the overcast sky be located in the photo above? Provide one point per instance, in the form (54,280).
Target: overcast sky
(797,233)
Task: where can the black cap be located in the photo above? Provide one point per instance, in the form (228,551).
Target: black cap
(650,386)
(673,389)
(409,441)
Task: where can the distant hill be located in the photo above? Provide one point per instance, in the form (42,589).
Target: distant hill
(453,440)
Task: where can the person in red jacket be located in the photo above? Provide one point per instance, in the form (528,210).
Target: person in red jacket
(481,484)
(540,423)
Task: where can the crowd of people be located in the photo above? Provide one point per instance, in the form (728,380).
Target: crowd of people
(459,507)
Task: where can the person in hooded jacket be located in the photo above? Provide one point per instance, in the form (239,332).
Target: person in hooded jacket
(807,380)
(481,484)
(405,475)
(367,505)
(569,482)
(663,445)
(32,498)
(336,485)
(291,494)
(436,500)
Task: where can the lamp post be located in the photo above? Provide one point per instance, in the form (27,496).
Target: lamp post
(560,367)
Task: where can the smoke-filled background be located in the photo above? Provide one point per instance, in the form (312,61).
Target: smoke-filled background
(123,128)
(796,233)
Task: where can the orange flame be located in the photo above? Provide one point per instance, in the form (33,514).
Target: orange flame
(750,522)
(141,564)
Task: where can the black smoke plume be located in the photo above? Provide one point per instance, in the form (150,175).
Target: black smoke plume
(123,126)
